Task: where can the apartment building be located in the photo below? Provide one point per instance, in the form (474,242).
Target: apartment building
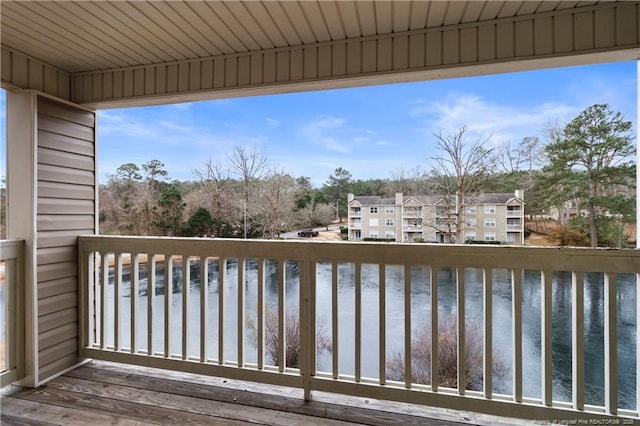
(485,217)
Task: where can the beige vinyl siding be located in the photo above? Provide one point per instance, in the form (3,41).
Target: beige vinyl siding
(65,209)
(416,54)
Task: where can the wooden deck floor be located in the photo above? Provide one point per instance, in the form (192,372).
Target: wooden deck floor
(101,393)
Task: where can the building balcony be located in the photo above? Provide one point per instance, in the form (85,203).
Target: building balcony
(515,213)
(225,308)
(515,227)
(412,213)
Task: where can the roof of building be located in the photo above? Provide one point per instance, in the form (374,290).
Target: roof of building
(488,198)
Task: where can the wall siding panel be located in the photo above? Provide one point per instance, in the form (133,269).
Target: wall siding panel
(51,321)
(64,143)
(62,174)
(56,255)
(65,209)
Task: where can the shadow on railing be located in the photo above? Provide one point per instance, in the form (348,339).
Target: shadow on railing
(11,313)
(530,332)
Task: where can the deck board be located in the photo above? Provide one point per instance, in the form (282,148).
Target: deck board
(106,393)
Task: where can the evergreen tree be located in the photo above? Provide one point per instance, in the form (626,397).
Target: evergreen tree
(591,160)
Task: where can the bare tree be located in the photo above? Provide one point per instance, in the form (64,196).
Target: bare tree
(526,155)
(214,179)
(249,163)
(459,169)
(277,202)
(408,181)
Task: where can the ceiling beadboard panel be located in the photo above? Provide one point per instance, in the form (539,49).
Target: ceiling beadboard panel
(98,35)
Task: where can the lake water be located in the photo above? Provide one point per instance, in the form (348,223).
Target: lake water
(420,317)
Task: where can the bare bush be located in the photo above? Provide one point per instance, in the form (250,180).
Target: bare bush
(292,337)
(447,357)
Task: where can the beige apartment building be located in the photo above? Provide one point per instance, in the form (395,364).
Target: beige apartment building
(486,217)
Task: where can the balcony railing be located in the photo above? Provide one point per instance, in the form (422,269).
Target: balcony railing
(412,213)
(239,309)
(514,213)
(11,299)
(515,226)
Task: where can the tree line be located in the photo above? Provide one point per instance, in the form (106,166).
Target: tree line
(588,162)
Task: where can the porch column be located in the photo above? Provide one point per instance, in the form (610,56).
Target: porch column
(21,207)
(51,199)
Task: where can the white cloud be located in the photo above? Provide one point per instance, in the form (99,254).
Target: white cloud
(272,123)
(483,118)
(319,131)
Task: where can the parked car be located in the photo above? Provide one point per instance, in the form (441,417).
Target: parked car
(308,233)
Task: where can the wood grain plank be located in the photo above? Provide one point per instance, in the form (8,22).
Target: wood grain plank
(244,397)
(123,408)
(212,411)
(20,411)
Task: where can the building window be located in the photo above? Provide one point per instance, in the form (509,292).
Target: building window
(355,211)
(373,210)
(373,222)
(390,235)
(489,236)
(469,236)
(389,210)
(471,209)
(389,222)
(490,223)
(471,221)
(373,234)
(490,209)
(357,235)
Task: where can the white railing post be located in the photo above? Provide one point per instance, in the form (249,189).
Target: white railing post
(460,330)
(358,322)
(186,283)
(260,314)
(334,320)
(546,337)
(222,279)
(382,318)
(151,294)
(135,290)
(407,327)
(168,301)
(242,262)
(577,333)
(313,320)
(12,258)
(487,310)
(305,325)
(516,286)
(282,317)
(610,344)
(435,363)
(117,291)
(204,307)
(104,285)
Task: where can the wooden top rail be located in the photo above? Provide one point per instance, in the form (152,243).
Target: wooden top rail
(11,249)
(445,255)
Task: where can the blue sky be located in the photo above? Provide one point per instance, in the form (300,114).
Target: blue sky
(369,131)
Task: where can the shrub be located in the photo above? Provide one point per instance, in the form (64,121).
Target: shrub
(447,357)
(292,337)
